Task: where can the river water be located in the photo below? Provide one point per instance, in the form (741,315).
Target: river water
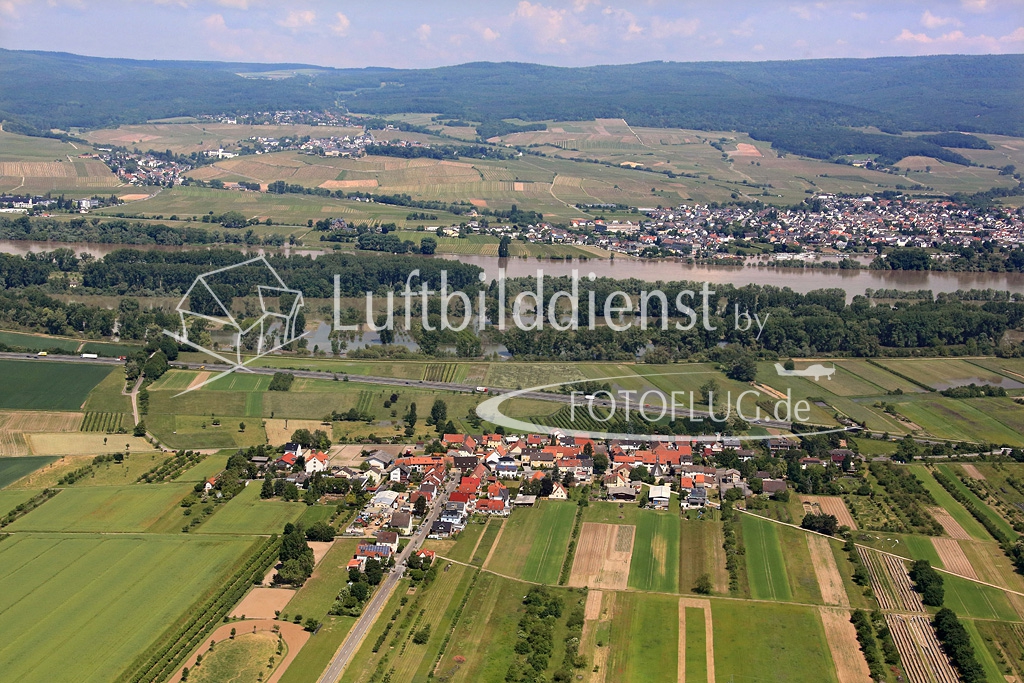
(801,280)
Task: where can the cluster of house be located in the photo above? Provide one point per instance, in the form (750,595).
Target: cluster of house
(142,168)
(833,222)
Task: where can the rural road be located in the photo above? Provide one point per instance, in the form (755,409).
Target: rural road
(373,609)
(385,381)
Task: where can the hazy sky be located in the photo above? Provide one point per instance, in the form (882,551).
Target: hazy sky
(570,33)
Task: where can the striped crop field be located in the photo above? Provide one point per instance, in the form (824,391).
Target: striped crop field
(102,422)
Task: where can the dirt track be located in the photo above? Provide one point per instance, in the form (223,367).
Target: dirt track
(603,556)
(951,526)
(830,581)
(953,557)
(842,643)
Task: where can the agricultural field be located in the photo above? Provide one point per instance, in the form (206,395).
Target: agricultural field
(700,552)
(103,474)
(52,595)
(533,543)
(13,469)
(655,565)
(246,513)
(435,605)
(38,342)
(962,524)
(39,165)
(789,646)
(44,385)
(131,508)
(766,565)
(644,638)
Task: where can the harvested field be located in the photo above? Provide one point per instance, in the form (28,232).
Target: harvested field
(133,197)
(261,603)
(920,654)
(842,643)
(953,557)
(972,472)
(603,556)
(279,432)
(950,525)
(348,184)
(745,149)
(829,505)
(198,380)
(879,582)
(908,599)
(830,581)
(12,444)
(39,421)
(84,444)
(593,608)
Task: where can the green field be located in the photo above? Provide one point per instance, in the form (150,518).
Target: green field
(700,550)
(696,640)
(654,565)
(803,583)
(958,420)
(316,654)
(770,643)
(318,593)
(434,604)
(534,542)
(487,540)
(13,469)
(38,342)
(246,513)
(45,385)
(955,509)
(970,599)
(95,602)
(644,638)
(466,540)
(130,508)
(981,506)
(766,566)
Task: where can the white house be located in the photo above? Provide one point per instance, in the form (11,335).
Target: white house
(317,462)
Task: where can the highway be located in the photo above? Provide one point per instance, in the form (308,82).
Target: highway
(373,608)
(653,409)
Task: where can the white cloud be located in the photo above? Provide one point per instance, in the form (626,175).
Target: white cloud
(489,34)
(580,5)
(929,20)
(298,19)
(959,40)
(546,21)
(341,24)
(234,4)
(744,30)
(803,11)
(671,29)
(859,16)
(423,32)
(975,5)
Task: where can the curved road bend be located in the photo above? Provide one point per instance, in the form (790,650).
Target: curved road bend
(369,379)
(373,608)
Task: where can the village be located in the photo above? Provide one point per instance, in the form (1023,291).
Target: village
(493,474)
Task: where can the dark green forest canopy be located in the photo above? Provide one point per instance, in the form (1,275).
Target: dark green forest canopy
(41,90)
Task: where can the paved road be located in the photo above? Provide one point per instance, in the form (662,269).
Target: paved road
(388,381)
(373,609)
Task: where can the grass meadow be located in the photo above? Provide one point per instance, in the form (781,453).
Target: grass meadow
(770,643)
(132,508)
(949,504)
(247,513)
(534,542)
(766,565)
(654,565)
(644,643)
(98,601)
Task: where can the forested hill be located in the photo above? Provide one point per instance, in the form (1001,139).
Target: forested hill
(970,93)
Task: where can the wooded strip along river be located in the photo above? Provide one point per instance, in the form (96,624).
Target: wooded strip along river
(623,267)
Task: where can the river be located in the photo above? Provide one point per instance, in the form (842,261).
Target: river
(801,280)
